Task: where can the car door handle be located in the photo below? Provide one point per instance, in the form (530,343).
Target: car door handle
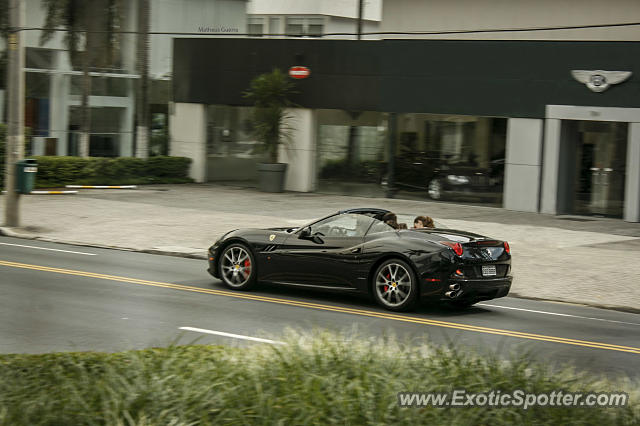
(356,250)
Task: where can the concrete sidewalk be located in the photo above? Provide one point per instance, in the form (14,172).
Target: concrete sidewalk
(581,260)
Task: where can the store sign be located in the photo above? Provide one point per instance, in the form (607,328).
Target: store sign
(299,72)
(599,80)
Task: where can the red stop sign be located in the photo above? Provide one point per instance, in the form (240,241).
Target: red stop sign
(299,72)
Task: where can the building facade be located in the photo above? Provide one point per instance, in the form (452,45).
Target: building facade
(501,122)
(54,81)
(333,19)
(529,106)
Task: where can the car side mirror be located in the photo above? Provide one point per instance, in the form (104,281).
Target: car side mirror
(305,233)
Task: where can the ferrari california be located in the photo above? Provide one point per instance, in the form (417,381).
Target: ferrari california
(356,251)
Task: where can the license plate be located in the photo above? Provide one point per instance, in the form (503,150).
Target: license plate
(488,271)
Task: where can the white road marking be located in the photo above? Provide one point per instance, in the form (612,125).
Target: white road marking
(234,336)
(556,313)
(50,249)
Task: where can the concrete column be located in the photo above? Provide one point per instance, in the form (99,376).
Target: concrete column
(59,105)
(632,182)
(188,132)
(126,123)
(551,166)
(2,105)
(523,164)
(301,153)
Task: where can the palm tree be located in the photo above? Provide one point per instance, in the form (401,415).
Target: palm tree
(270,94)
(100,22)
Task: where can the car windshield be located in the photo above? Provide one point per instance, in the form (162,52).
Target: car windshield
(356,225)
(343,225)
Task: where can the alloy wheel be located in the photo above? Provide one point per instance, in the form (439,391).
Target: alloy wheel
(394,285)
(236,266)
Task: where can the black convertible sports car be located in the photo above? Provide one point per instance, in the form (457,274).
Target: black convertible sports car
(354,250)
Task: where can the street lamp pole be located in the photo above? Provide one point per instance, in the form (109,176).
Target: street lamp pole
(15,98)
(360,10)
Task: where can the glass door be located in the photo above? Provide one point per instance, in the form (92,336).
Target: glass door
(600,168)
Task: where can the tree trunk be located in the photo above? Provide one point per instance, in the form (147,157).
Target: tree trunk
(142,106)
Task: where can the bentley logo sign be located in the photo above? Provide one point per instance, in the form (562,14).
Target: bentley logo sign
(599,80)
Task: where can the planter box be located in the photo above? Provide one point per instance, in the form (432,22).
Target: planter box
(271,176)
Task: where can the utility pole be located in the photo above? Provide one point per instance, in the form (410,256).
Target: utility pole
(15,98)
(360,10)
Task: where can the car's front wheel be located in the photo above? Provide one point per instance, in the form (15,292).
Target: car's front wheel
(395,286)
(434,190)
(238,267)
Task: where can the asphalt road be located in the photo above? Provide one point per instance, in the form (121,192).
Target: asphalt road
(56,297)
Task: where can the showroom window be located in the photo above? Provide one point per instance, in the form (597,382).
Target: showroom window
(351,147)
(451,157)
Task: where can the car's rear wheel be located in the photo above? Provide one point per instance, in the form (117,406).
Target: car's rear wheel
(238,267)
(395,286)
(434,190)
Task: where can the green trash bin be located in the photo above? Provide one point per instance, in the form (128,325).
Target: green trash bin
(26,171)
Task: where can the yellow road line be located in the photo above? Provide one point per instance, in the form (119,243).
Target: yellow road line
(340,309)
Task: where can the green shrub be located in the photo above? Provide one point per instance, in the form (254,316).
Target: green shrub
(315,379)
(60,171)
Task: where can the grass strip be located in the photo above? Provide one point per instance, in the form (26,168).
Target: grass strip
(317,378)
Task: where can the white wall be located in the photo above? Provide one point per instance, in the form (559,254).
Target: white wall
(35,17)
(348,25)
(441,15)
(523,164)
(190,16)
(632,190)
(345,8)
(188,131)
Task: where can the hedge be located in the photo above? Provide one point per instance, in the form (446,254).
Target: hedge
(60,171)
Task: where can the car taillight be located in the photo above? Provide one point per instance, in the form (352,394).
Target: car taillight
(507,248)
(457,247)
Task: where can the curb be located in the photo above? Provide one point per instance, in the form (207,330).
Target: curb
(48,192)
(53,192)
(102,186)
(8,232)
(627,309)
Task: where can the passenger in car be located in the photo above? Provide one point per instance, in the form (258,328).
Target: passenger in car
(428,222)
(423,222)
(391,219)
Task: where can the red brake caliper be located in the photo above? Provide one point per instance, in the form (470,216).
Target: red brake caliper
(247,267)
(386,287)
